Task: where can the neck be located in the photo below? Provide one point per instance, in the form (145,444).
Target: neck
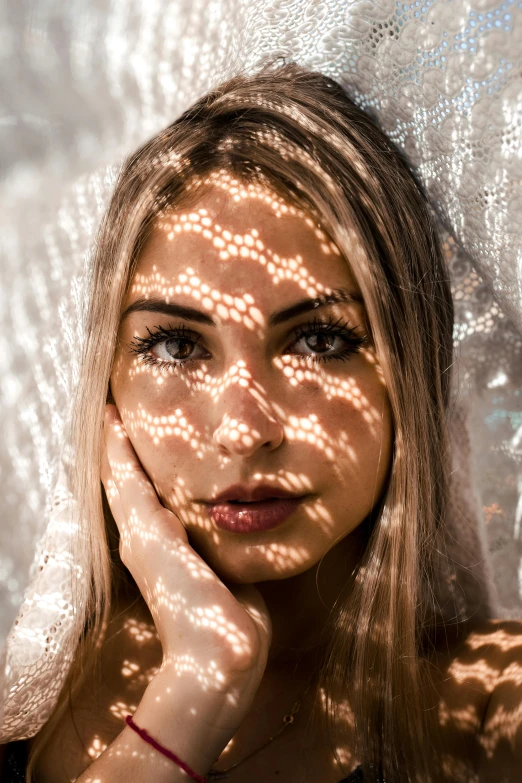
(301,606)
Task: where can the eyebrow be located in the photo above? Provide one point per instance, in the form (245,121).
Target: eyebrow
(154,305)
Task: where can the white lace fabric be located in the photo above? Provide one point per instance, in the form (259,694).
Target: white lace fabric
(83,84)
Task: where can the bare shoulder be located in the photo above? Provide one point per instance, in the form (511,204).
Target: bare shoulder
(501,632)
(481,698)
(501,730)
(494,642)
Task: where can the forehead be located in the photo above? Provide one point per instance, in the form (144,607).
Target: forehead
(238,239)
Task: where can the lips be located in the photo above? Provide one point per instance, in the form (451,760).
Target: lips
(248,494)
(255,516)
(243,508)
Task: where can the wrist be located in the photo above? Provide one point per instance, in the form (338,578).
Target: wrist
(194,723)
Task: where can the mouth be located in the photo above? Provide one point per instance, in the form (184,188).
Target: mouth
(242,502)
(246,493)
(240,516)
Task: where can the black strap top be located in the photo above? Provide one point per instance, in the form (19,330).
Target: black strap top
(16,761)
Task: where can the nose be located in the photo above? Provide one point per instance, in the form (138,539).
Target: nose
(246,419)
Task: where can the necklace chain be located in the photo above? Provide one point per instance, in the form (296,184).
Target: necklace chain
(287,721)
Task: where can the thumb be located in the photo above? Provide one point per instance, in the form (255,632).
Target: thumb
(254,604)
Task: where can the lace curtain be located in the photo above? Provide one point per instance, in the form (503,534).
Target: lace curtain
(83,83)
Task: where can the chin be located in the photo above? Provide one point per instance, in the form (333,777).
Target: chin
(254,570)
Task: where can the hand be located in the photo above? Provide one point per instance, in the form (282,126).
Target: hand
(214,640)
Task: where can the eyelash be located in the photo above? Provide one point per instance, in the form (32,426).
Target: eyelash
(142,346)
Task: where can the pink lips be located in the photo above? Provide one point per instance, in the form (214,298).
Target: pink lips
(253,517)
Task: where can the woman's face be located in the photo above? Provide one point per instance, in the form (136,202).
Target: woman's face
(273,390)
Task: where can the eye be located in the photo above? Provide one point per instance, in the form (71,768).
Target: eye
(317,340)
(167,347)
(327,340)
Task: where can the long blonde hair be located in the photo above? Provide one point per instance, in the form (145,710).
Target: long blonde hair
(299,131)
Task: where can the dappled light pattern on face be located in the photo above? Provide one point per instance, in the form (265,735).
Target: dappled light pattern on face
(244,358)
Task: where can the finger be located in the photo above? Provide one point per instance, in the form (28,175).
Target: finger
(139,501)
(111,491)
(137,495)
(253,602)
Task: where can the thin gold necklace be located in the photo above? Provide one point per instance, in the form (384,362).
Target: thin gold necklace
(288,719)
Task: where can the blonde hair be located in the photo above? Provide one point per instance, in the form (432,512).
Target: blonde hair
(299,131)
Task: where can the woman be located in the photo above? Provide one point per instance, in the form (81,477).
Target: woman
(272,318)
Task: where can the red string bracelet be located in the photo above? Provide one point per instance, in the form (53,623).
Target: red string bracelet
(172,756)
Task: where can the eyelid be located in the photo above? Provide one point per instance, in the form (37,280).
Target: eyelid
(327,323)
(143,346)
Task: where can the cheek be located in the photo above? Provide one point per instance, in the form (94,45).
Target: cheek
(359,430)
(170,458)
(167,422)
(161,419)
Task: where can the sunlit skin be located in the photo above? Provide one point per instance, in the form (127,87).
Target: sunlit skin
(257,404)
(253,406)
